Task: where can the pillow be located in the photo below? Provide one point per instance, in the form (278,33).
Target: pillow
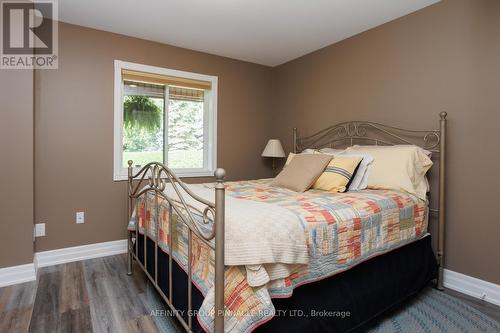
(291,155)
(338,174)
(302,171)
(332,151)
(289,158)
(397,167)
(425,151)
(360,179)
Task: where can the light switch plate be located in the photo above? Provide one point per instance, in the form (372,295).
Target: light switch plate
(39,229)
(80,217)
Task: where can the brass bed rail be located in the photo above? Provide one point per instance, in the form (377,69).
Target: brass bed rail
(158,177)
(365,132)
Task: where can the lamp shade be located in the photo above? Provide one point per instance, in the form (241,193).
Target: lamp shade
(273,149)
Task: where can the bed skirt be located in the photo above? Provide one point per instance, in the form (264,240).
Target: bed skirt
(344,302)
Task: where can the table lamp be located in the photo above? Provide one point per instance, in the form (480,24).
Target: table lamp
(274,149)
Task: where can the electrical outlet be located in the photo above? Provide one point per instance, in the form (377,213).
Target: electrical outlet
(80,217)
(39,229)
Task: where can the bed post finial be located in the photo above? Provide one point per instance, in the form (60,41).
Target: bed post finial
(220,174)
(219,249)
(442,196)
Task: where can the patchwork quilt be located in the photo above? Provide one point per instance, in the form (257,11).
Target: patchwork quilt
(340,230)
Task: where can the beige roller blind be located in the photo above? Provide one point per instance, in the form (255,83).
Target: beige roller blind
(136,76)
(186,94)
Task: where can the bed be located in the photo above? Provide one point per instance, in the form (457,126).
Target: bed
(315,260)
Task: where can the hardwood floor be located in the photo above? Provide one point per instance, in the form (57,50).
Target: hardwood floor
(96,295)
(16,306)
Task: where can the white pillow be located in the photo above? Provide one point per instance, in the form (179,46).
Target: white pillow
(360,180)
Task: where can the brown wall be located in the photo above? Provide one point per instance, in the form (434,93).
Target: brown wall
(16,167)
(74,129)
(444,57)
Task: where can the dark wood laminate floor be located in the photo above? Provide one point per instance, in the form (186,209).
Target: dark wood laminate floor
(96,295)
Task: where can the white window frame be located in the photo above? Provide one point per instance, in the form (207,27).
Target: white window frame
(210,124)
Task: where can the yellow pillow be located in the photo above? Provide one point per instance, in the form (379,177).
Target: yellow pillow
(397,167)
(337,174)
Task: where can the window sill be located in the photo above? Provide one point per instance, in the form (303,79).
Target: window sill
(178,173)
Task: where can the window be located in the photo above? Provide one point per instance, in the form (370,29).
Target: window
(164,115)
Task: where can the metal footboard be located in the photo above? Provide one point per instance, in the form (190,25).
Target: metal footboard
(153,179)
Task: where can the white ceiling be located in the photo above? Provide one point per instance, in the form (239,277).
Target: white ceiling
(268,32)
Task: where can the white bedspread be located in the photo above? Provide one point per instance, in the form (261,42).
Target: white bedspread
(255,232)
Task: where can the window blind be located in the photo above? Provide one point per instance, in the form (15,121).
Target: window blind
(185,94)
(143,89)
(129,75)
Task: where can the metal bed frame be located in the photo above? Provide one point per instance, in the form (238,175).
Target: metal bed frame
(158,176)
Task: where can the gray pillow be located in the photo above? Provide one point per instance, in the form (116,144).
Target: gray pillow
(302,171)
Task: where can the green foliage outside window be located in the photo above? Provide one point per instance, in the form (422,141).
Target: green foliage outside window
(143,131)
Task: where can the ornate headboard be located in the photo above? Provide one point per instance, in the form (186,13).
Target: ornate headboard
(371,133)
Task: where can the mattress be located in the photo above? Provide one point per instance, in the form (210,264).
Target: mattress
(341,230)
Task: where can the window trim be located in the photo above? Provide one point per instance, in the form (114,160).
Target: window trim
(119,172)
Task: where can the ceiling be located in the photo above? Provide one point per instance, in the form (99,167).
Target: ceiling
(268,32)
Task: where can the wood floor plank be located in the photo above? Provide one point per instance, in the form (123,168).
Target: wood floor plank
(115,297)
(143,324)
(73,289)
(18,295)
(76,320)
(15,320)
(103,317)
(16,305)
(5,295)
(46,315)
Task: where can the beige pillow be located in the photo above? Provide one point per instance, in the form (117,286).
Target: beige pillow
(332,151)
(398,168)
(302,171)
(292,155)
(289,158)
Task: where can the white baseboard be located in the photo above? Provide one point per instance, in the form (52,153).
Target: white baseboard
(471,286)
(77,253)
(17,274)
